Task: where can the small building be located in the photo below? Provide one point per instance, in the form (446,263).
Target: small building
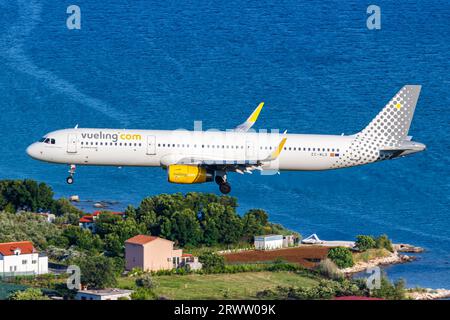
(88,221)
(103,294)
(269,242)
(151,253)
(21,258)
(49,217)
(290,241)
(190,261)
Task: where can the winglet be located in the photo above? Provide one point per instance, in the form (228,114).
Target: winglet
(250,120)
(274,155)
(255,114)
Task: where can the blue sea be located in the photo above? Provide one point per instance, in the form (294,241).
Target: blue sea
(164,64)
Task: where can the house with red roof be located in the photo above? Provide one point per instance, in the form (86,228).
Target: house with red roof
(88,221)
(151,253)
(21,258)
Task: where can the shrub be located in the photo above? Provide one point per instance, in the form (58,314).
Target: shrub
(28,294)
(143,294)
(325,289)
(389,290)
(341,256)
(212,262)
(364,243)
(329,269)
(384,242)
(146,281)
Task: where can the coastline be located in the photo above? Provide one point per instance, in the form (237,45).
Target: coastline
(397,258)
(394,258)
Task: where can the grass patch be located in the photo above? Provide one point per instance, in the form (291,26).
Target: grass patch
(370,254)
(222,286)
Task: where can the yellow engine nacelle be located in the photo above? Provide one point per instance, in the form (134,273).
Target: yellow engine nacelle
(188,174)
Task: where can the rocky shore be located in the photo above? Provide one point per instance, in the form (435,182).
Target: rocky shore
(404,247)
(394,258)
(428,294)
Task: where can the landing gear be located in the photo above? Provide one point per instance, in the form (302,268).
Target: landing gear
(221,180)
(225,188)
(69,179)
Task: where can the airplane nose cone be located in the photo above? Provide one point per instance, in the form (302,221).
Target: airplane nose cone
(33,151)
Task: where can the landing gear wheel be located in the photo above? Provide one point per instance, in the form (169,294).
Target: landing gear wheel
(69,179)
(225,188)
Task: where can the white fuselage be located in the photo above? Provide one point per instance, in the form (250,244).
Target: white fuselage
(114,147)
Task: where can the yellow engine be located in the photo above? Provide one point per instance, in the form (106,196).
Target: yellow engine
(187,174)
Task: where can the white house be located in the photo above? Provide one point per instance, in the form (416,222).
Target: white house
(269,242)
(103,294)
(21,258)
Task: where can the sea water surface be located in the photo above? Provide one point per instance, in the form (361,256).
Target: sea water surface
(165,64)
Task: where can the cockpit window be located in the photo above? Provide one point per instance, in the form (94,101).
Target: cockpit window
(48,140)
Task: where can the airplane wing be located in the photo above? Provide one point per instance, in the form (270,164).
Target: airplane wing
(225,164)
(244,127)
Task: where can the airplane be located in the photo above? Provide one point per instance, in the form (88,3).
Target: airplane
(203,156)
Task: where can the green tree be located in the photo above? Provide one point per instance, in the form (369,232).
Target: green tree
(146,281)
(212,262)
(186,228)
(384,242)
(83,239)
(146,213)
(341,256)
(25,195)
(98,272)
(28,294)
(230,227)
(390,291)
(30,227)
(364,243)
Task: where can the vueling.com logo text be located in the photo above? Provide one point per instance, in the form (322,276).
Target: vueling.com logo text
(112,136)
